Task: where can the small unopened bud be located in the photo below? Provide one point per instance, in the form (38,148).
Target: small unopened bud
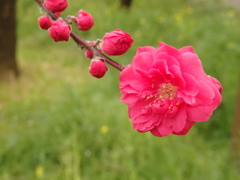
(56,5)
(44,22)
(60,31)
(58,13)
(97,68)
(84,20)
(88,53)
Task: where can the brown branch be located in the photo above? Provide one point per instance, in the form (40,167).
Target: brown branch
(81,41)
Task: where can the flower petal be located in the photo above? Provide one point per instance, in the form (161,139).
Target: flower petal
(199,113)
(171,51)
(185,130)
(206,94)
(127,76)
(179,120)
(169,59)
(161,65)
(148,122)
(136,79)
(129,99)
(186,49)
(156,76)
(164,129)
(143,61)
(191,64)
(191,87)
(137,109)
(149,49)
(217,95)
(178,79)
(155,132)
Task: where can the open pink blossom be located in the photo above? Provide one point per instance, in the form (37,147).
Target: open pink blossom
(44,22)
(167,90)
(84,20)
(60,31)
(116,42)
(56,5)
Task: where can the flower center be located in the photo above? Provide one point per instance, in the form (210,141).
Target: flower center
(167,91)
(163,100)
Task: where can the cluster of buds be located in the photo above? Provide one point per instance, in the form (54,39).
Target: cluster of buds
(60,29)
(114,43)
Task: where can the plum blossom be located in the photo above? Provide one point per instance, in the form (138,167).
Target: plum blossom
(97,67)
(84,20)
(44,22)
(56,5)
(60,31)
(116,42)
(167,90)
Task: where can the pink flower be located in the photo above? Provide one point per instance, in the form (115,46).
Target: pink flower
(88,53)
(97,68)
(44,22)
(116,42)
(56,5)
(58,13)
(167,90)
(60,31)
(84,20)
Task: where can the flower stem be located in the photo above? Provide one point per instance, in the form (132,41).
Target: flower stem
(81,41)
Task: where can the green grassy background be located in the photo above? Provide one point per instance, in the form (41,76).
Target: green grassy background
(59,123)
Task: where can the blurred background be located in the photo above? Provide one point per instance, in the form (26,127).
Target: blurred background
(59,123)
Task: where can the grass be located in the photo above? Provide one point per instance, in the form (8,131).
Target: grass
(59,123)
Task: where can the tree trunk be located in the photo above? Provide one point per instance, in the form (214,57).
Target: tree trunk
(8,65)
(126,3)
(235,139)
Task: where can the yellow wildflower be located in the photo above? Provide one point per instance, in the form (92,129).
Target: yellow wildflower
(104,129)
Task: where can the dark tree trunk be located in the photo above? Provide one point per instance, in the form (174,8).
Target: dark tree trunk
(8,65)
(235,139)
(126,3)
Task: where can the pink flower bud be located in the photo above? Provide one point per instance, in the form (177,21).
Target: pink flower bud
(56,5)
(88,53)
(116,42)
(60,31)
(58,13)
(84,20)
(44,22)
(97,68)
